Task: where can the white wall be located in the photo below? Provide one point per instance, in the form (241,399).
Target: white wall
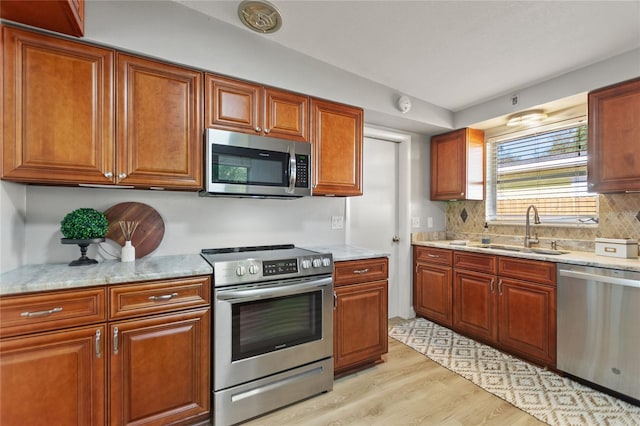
(191,222)
(13,207)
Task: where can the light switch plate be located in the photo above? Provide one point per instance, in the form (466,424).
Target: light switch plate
(415,222)
(337,222)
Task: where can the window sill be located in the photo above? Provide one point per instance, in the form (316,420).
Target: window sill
(546,224)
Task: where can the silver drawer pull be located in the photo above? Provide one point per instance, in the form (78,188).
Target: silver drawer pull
(163,297)
(361,271)
(432,255)
(40,313)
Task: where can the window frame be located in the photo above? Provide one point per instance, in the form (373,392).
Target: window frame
(491,215)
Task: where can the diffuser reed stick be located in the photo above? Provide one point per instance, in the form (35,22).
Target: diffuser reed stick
(128,229)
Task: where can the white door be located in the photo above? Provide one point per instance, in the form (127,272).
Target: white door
(373,217)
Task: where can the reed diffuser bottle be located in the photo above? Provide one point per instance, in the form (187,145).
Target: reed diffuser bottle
(128,253)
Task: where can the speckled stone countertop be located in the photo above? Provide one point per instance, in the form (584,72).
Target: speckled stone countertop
(60,276)
(342,252)
(572,257)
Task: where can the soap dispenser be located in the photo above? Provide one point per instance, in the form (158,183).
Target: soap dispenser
(485,234)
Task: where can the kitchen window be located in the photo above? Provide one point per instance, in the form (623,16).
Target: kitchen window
(546,167)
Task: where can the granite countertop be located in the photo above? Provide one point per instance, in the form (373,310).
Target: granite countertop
(342,252)
(60,276)
(572,257)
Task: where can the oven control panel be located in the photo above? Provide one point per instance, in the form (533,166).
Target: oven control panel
(279,267)
(252,269)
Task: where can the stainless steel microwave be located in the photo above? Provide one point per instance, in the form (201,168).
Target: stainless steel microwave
(244,165)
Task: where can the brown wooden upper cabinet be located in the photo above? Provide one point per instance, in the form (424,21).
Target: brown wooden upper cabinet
(337,138)
(59,109)
(457,165)
(250,108)
(159,124)
(614,138)
(63,16)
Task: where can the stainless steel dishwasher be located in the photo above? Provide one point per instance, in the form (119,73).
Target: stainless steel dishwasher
(599,326)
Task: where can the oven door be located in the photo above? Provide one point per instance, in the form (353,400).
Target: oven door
(265,328)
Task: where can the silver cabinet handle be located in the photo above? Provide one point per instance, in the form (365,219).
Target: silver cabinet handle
(266,131)
(500,287)
(361,271)
(258,129)
(122,175)
(40,313)
(163,297)
(98,344)
(491,285)
(115,341)
(432,255)
(108,175)
(335,301)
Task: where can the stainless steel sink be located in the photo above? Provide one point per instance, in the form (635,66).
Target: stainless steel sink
(519,249)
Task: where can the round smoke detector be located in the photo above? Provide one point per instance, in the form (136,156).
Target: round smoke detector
(260,15)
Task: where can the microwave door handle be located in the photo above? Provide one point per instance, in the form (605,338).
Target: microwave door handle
(292,171)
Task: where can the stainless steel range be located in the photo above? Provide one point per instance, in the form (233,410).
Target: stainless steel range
(272,328)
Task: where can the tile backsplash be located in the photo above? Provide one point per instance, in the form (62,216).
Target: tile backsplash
(619,218)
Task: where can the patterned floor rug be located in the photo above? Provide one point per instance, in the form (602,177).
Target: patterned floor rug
(545,395)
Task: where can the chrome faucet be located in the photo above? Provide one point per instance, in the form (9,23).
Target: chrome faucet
(527,231)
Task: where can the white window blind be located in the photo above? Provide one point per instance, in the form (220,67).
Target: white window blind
(547,169)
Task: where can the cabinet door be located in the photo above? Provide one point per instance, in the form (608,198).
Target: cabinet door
(233,105)
(286,115)
(528,320)
(336,136)
(457,165)
(56,378)
(159,124)
(58,110)
(160,369)
(63,16)
(474,307)
(432,293)
(360,324)
(614,135)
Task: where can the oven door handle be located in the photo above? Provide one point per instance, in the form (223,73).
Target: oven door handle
(236,296)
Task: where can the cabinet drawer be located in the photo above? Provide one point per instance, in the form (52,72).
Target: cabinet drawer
(476,262)
(51,310)
(359,271)
(529,270)
(432,255)
(133,300)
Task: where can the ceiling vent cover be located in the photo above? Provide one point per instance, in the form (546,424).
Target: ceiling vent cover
(260,15)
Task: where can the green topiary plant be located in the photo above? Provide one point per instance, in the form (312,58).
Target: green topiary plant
(84,224)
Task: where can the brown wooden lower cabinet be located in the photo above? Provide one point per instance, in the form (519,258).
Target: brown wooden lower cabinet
(64,361)
(509,303)
(360,316)
(158,368)
(56,378)
(432,293)
(474,305)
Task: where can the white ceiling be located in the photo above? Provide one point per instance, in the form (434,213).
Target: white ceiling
(453,54)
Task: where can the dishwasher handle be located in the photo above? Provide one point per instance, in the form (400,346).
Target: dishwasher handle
(600,278)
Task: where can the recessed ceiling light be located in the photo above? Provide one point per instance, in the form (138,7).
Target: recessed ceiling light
(526,118)
(260,16)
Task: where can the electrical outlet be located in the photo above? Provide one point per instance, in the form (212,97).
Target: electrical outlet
(515,99)
(337,222)
(429,222)
(415,222)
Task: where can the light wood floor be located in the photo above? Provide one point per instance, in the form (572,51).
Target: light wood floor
(407,389)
